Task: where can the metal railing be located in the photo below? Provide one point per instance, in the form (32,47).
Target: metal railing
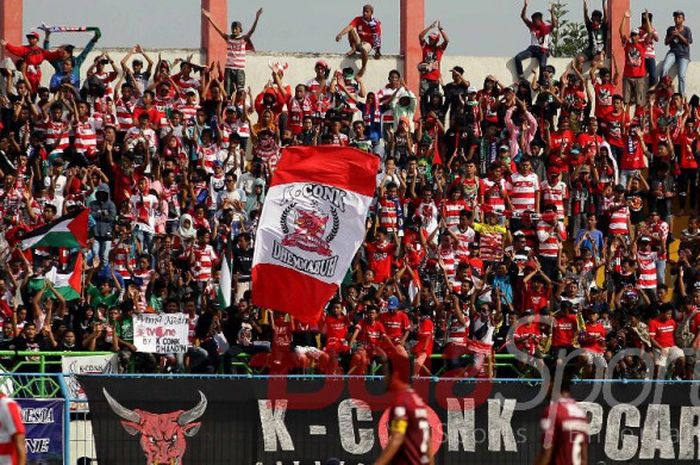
(50,362)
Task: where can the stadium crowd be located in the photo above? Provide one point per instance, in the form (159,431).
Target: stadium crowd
(544,206)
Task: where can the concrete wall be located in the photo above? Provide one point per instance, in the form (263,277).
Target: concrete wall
(301,67)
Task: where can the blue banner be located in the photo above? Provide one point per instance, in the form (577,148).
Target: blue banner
(43,421)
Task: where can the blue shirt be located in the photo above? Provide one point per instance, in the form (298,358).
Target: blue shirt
(58,79)
(588,244)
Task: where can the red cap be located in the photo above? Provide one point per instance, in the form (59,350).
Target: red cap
(33,34)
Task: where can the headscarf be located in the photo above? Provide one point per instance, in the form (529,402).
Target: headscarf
(182,231)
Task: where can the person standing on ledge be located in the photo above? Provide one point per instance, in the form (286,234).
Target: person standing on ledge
(237,44)
(678,38)
(540,39)
(364,34)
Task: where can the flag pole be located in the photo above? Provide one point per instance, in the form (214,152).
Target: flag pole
(82,279)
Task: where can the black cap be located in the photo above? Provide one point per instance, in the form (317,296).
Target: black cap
(619,188)
(458,69)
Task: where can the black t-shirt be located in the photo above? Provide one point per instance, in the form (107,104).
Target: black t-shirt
(458,139)
(452,93)
(243,263)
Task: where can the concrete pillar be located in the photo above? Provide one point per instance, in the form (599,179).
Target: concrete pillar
(212,44)
(11,21)
(412,23)
(616,11)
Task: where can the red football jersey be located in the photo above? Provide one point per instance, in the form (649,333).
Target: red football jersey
(396,323)
(337,327)
(409,415)
(565,429)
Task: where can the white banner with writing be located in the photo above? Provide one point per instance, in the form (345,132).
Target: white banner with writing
(163,333)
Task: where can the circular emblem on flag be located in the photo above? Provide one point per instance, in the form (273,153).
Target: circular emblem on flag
(310,229)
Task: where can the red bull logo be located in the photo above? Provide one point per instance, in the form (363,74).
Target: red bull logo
(163,435)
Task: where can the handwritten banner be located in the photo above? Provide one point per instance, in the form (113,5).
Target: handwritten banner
(163,333)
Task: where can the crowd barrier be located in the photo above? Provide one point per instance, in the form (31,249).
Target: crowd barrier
(260,420)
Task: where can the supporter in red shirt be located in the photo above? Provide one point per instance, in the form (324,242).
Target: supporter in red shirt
(33,56)
(662,333)
(429,67)
(604,87)
(634,74)
(538,291)
(564,330)
(364,34)
(527,334)
(335,328)
(540,38)
(369,334)
(380,255)
(395,321)
(594,345)
(424,345)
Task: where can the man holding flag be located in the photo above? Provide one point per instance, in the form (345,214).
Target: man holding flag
(312,224)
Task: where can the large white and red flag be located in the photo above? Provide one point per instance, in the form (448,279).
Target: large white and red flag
(312,223)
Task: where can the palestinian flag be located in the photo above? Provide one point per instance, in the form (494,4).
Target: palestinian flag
(68,283)
(225,284)
(69,231)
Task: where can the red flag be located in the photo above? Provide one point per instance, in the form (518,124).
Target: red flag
(311,226)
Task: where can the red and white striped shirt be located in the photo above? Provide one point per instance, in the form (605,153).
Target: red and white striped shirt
(523,191)
(121,256)
(555,195)
(492,193)
(189,112)
(647,269)
(490,241)
(186,84)
(207,155)
(619,220)
(449,260)
(458,332)
(125,113)
(463,240)
(10,425)
(550,240)
(163,105)
(204,257)
(661,228)
(451,210)
(236,52)
(86,136)
(389,214)
(57,135)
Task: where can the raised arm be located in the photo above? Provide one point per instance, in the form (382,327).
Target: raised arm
(424,32)
(553,17)
(621,30)
(255,24)
(207,15)
(523,15)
